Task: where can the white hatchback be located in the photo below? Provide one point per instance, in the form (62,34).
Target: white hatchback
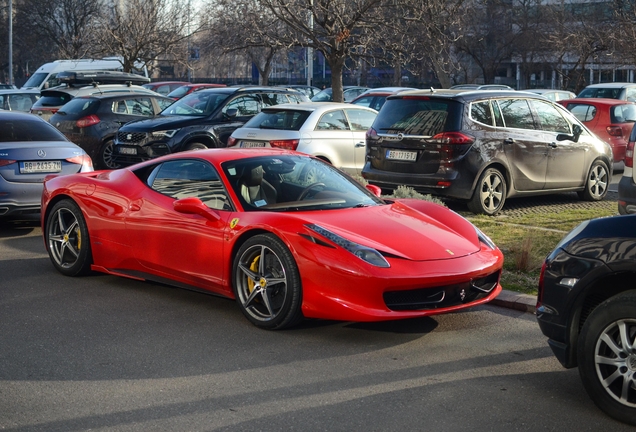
(334,132)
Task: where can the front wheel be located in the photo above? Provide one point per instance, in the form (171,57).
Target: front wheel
(106,159)
(490,193)
(266,283)
(67,239)
(607,357)
(596,182)
(196,146)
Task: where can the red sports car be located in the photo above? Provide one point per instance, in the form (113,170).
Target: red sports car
(287,235)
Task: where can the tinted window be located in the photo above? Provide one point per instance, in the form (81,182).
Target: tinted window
(516,113)
(360,120)
(28,130)
(611,93)
(550,118)
(80,106)
(622,113)
(279,119)
(54,99)
(583,112)
(248,105)
(480,112)
(196,104)
(418,116)
(334,120)
(190,178)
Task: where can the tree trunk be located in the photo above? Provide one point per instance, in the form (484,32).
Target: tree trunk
(336,63)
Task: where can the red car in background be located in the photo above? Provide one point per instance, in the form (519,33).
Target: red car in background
(164,87)
(180,92)
(611,120)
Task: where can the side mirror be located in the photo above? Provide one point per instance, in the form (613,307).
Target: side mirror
(231,113)
(375,190)
(193,205)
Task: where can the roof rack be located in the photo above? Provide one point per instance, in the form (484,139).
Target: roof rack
(100,77)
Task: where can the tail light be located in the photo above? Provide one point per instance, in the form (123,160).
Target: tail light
(87,121)
(453,144)
(371,133)
(4,162)
(285,144)
(231,141)
(615,131)
(629,155)
(84,160)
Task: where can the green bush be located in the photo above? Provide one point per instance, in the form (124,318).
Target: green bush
(408,192)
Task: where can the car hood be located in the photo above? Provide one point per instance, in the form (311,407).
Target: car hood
(400,230)
(162,122)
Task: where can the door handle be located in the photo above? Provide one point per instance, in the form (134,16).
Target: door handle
(509,141)
(553,145)
(360,144)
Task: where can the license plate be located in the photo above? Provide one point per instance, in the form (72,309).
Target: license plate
(402,155)
(128,150)
(40,167)
(252,144)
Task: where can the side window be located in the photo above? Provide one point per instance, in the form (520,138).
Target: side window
(164,103)
(365,101)
(248,105)
(583,112)
(360,120)
(334,120)
(163,89)
(480,112)
(516,113)
(270,99)
(190,178)
(550,118)
(295,98)
(631,94)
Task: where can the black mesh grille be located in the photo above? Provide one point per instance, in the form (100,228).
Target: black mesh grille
(131,138)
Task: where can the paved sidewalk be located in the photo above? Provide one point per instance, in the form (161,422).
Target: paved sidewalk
(517,301)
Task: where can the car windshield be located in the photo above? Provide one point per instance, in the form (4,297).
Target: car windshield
(596,92)
(27,130)
(323,96)
(294,183)
(179,92)
(196,104)
(35,80)
(278,119)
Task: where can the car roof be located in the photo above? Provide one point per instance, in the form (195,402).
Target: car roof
(18,91)
(93,89)
(612,85)
(122,94)
(468,94)
(598,101)
(386,90)
(316,106)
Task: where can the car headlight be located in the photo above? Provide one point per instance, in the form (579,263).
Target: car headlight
(485,239)
(165,133)
(365,253)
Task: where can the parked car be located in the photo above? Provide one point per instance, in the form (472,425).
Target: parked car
(254,226)
(30,148)
(484,147)
(333,132)
(481,87)
(552,94)
(92,121)
(200,120)
(7,87)
(18,100)
(309,91)
(375,98)
(349,94)
(79,84)
(164,87)
(586,306)
(184,90)
(627,183)
(611,120)
(618,90)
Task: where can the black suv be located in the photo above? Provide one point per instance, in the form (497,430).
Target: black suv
(586,307)
(483,147)
(204,119)
(92,121)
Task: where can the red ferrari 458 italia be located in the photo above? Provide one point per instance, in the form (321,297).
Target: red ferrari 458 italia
(286,235)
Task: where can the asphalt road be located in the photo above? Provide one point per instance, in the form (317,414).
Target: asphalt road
(110,354)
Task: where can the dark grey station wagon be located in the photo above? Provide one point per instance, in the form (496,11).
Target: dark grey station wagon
(483,147)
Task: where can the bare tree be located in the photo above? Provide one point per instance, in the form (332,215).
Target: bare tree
(142,31)
(69,24)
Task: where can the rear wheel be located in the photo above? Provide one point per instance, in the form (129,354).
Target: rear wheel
(67,239)
(607,357)
(106,160)
(490,193)
(267,283)
(196,146)
(596,183)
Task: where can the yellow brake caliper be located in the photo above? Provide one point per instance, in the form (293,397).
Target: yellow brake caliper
(78,233)
(254,268)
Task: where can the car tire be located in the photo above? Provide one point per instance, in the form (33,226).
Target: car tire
(596,182)
(490,194)
(196,146)
(607,367)
(67,239)
(266,283)
(106,160)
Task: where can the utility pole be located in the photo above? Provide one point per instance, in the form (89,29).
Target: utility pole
(11,42)
(310,50)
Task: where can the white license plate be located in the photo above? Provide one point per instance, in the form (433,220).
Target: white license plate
(127,150)
(252,144)
(40,167)
(403,155)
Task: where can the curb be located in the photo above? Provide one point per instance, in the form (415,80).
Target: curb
(516,301)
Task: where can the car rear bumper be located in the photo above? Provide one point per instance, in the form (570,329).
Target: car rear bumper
(17,198)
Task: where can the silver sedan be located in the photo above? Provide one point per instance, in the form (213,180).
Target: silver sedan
(334,132)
